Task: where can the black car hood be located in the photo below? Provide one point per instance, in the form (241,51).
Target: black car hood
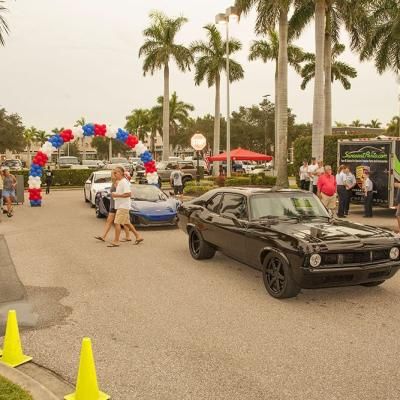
(345,234)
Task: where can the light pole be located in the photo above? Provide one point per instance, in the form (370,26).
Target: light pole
(231,14)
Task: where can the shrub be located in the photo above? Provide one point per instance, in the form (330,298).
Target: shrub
(197,190)
(63,177)
(237,181)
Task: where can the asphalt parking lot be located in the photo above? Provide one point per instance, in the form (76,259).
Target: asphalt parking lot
(167,327)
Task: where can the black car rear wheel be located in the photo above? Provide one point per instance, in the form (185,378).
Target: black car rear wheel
(372,284)
(278,278)
(199,249)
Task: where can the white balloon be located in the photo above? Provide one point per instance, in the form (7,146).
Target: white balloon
(140,148)
(111,132)
(77,131)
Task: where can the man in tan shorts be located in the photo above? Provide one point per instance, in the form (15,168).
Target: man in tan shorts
(327,189)
(122,197)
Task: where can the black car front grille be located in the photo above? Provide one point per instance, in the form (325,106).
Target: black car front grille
(364,257)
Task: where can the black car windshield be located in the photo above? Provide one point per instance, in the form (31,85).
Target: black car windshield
(286,205)
(147,193)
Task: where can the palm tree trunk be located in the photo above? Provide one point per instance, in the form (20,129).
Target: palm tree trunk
(319,102)
(217,124)
(282,124)
(276,113)
(165,154)
(328,76)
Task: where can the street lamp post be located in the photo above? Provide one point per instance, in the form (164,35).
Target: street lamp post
(231,14)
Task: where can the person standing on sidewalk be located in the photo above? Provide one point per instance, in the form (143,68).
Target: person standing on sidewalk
(312,168)
(341,190)
(49,179)
(9,186)
(368,193)
(176,181)
(327,189)
(350,182)
(304,176)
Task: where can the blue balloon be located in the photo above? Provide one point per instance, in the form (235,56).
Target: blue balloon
(88,130)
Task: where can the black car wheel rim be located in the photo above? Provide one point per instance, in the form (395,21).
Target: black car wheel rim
(195,243)
(275,275)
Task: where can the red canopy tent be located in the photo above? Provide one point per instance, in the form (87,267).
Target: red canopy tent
(240,154)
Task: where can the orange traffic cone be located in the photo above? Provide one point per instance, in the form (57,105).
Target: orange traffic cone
(12,349)
(86,384)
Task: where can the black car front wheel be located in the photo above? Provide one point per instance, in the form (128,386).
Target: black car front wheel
(199,249)
(278,278)
(372,284)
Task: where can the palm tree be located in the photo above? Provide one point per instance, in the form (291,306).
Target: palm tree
(178,115)
(374,123)
(339,70)
(330,15)
(41,137)
(393,127)
(210,62)
(381,39)
(4,29)
(29,138)
(356,123)
(137,122)
(269,51)
(158,49)
(270,13)
(82,122)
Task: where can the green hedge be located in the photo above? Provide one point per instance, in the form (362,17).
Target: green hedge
(63,177)
(197,190)
(302,150)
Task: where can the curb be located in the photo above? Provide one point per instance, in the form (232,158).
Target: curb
(37,391)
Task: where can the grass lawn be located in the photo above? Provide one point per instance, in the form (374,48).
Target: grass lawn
(9,391)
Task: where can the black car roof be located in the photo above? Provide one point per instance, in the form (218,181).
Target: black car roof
(256,190)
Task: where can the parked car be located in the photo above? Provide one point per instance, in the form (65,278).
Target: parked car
(290,237)
(93,164)
(68,161)
(13,164)
(96,182)
(260,169)
(150,206)
(189,169)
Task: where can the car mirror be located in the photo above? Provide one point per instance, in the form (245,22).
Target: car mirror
(89,181)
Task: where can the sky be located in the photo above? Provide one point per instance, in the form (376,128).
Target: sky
(70,58)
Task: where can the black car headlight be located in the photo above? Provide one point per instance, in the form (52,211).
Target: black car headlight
(315,260)
(394,253)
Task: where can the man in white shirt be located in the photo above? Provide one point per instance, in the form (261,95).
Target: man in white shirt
(341,190)
(122,197)
(311,171)
(368,193)
(304,176)
(350,182)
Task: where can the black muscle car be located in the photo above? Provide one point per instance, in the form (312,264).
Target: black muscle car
(290,237)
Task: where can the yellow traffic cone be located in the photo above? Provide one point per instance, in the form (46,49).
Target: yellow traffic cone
(12,349)
(86,384)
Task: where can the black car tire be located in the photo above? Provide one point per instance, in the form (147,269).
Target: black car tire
(84,196)
(199,248)
(278,278)
(372,284)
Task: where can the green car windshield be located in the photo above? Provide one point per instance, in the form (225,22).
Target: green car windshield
(289,205)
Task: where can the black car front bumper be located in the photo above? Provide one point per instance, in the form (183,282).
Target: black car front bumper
(311,278)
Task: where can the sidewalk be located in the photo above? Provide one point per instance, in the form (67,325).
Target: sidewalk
(383,217)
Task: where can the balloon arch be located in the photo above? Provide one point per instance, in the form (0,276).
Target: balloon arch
(67,135)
